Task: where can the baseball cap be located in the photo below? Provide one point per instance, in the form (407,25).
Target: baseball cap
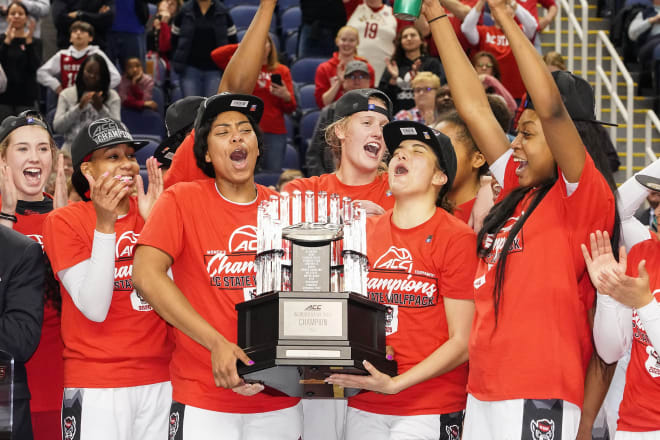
(179,119)
(578,97)
(356,66)
(101,133)
(358,101)
(29,117)
(225,102)
(649,182)
(398,131)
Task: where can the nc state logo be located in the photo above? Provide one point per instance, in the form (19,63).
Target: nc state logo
(37,238)
(125,244)
(395,259)
(174,425)
(69,426)
(452,432)
(243,239)
(543,429)
(652,363)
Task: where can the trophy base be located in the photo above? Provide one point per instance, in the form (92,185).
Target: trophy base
(294,359)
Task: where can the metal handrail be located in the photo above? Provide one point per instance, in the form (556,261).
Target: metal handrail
(651,120)
(574,28)
(611,84)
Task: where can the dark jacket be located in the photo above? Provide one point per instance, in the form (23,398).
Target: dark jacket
(183,31)
(21,301)
(20,62)
(89,12)
(402,98)
(318,157)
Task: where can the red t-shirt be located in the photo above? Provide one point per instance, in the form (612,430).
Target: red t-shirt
(45,369)
(377,191)
(639,411)
(131,347)
(327,70)
(537,350)
(274,107)
(184,165)
(213,243)
(69,67)
(412,270)
(531,6)
(493,40)
(464,210)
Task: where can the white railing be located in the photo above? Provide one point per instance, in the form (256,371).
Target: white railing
(650,121)
(574,28)
(611,84)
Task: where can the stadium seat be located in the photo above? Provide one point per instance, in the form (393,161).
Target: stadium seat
(303,70)
(307,101)
(143,122)
(283,5)
(267,179)
(243,14)
(291,158)
(146,152)
(307,124)
(291,46)
(159,97)
(290,20)
(232,3)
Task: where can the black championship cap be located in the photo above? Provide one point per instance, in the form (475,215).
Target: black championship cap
(102,133)
(578,97)
(398,131)
(179,119)
(228,102)
(358,101)
(649,182)
(11,123)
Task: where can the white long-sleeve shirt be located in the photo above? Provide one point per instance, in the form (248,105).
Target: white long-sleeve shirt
(469,25)
(639,25)
(49,74)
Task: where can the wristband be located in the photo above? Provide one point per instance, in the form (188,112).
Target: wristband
(436,18)
(10,217)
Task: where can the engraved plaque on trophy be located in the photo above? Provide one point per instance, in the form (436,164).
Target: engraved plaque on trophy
(311,317)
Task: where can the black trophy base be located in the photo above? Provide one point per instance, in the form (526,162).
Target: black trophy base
(295,361)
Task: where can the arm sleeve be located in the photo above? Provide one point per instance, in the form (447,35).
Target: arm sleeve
(528,22)
(20,322)
(498,168)
(612,328)
(48,75)
(638,26)
(90,282)
(632,194)
(469,26)
(650,316)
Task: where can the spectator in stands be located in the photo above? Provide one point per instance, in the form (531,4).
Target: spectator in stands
(91,98)
(321,21)
(645,31)
(60,71)
(287,176)
(36,9)
(375,22)
(126,38)
(532,7)
(20,55)
(275,88)
(492,39)
(136,87)
(425,89)
(443,100)
(488,69)
(554,61)
(319,158)
(329,74)
(647,215)
(159,36)
(98,13)
(200,27)
(410,56)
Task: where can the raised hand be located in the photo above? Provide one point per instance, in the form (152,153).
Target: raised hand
(106,194)
(601,259)
(7,191)
(61,196)
(633,292)
(392,67)
(85,99)
(10,35)
(147,200)
(31,26)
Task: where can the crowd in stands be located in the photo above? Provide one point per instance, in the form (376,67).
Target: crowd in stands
(152,65)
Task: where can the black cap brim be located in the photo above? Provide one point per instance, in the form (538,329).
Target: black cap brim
(649,182)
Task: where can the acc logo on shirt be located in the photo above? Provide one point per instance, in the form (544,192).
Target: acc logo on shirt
(243,239)
(395,259)
(126,244)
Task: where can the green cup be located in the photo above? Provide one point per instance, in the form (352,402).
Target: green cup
(407,10)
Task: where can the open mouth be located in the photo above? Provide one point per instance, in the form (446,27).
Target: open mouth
(372,149)
(400,170)
(32,175)
(239,157)
(522,165)
(125,179)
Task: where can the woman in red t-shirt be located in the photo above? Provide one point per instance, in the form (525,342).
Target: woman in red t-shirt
(330,74)
(277,95)
(530,345)
(116,348)
(428,254)
(205,232)
(27,151)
